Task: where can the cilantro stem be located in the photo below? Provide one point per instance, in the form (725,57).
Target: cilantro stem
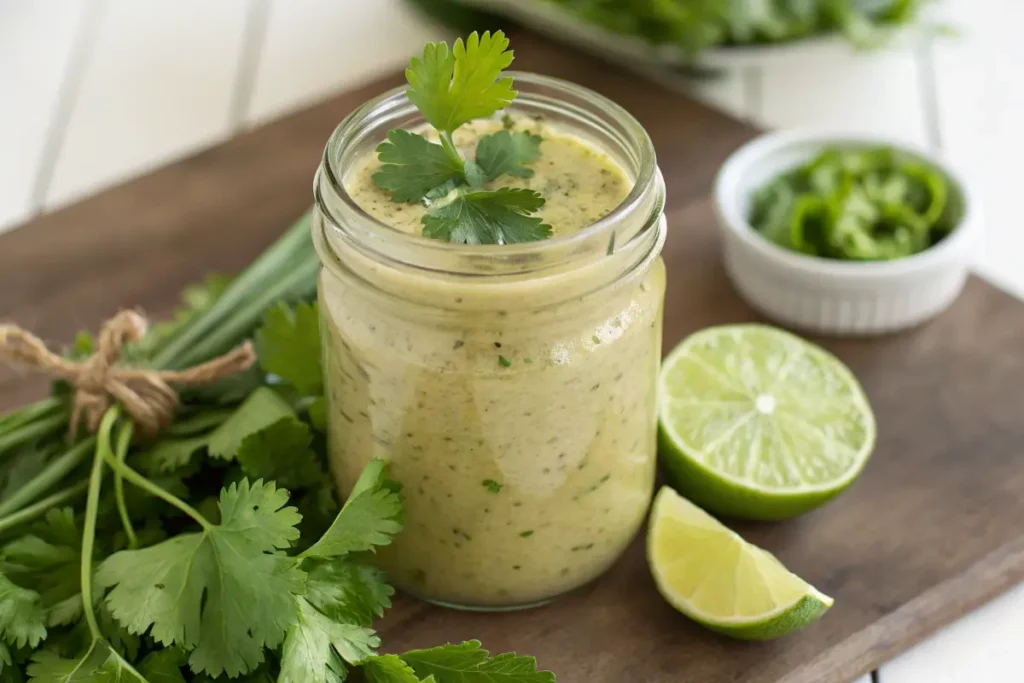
(92,505)
(450,149)
(40,508)
(152,489)
(124,438)
(49,477)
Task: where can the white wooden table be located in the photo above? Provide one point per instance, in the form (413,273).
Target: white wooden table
(93,92)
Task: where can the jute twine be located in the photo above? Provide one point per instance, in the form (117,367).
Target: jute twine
(145,395)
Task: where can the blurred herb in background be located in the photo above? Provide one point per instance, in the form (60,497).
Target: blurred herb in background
(694,26)
(459,15)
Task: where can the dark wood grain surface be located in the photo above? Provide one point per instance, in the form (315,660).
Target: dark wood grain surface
(933,528)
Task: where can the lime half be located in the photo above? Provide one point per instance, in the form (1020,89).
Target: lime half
(759,423)
(719,580)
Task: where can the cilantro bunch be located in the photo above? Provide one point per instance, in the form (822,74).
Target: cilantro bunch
(450,88)
(219,552)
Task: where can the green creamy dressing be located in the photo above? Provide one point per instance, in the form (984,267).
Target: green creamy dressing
(523,435)
(580,184)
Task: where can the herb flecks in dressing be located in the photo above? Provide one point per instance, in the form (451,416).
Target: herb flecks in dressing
(580,184)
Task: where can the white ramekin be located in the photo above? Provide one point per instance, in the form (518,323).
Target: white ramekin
(823,295)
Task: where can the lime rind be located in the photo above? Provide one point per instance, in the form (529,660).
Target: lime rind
(802,603)
(726,496)
(822,450)
(789,619)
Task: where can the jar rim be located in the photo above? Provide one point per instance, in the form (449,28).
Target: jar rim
(363,228)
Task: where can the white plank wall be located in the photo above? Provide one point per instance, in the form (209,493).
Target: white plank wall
(93,92)
(37,40)
(314,48)
(156,84)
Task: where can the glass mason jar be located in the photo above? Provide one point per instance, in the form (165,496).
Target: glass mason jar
(512,388)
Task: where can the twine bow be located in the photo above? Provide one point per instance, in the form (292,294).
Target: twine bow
(146,395)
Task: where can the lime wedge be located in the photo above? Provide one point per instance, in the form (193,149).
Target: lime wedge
(760,424)
(713,576)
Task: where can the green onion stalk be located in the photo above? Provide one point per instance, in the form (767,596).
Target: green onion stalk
(287,270)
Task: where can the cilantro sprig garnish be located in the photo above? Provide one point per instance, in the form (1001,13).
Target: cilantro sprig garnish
(487,217)
(451,88)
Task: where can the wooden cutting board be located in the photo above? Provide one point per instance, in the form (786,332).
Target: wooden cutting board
(933,528)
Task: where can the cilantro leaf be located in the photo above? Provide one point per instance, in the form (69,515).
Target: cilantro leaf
(347,591)
(316,647)
(343,598)
(164,666)
(369,518)
(22,620)
(264,674)
(282,453)
(318,507)
(451,88)
(225,593)
(454,87)
(145,509)
(98,664)
(488,217)
(470,663)
(289,346)
(47,561)
(412,166)
(169,455)
(198,423)
(341,601)
(263,408)
(508,153)
(65,612)
(388,669)
(476,176)
(29,555)
(118,637)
